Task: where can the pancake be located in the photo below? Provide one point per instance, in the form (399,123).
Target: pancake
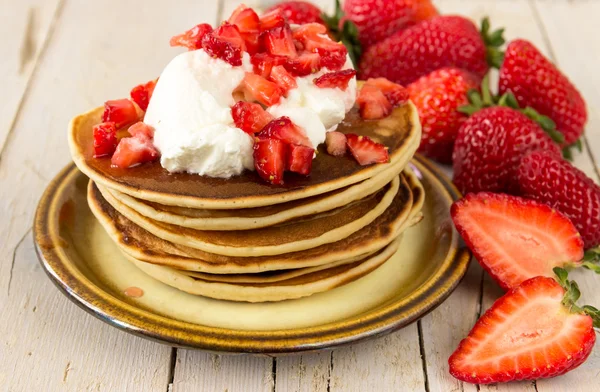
(296,287)
(294,236)
(400,132)
(141,244)
(258,217)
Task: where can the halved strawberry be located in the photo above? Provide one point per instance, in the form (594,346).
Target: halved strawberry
(278,41)
(105,139)
(250,117)
(395,93)
(299,159)
(366,151)
(534,331)
(337,79)
(270,159)
(141,131)
(262,90)
(372,103)
(142,93)
(245,19)
(192,39)
(227,47)
(263,63)
(283,78)
(271,20)
(515,239)
(133,151)
(283,128)
(122,112)
(303,65)
(336,143)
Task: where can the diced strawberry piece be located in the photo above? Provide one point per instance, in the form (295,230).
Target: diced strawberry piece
(250,117)
(372,103)
(225,43)
(230,33)
(270,159)
(303,65)
(122,112)
(278,41)
(335,79)
(283,78)
(299,159)
(271,20)
(336,143)
(192,39)
(141,131)
(264,62)
(395,93)
(133,151)
(142,93)
(262,90)
(366,151)
(308,30)
(105,139)
(245,19)
(283,128)
(332,59)
(252,41)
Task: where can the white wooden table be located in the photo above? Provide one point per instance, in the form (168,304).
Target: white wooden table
(61,57)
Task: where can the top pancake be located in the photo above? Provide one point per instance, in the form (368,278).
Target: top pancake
(400,132)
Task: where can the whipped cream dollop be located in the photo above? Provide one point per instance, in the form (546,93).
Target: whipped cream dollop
(190,111)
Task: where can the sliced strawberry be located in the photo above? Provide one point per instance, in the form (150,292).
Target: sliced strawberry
(141,131)
(395,93)
(515,239)
(283,128)
(534,331)
(308,30)
(335,79)
(366,151)
(271,20)
(250,117)
(122,112)
(192,39)
(227,47)
(303,65)
(230,33)
(133,151)
(270,159)
(333,54)
(332,59)
(245,19)
(142,93)
(262,90)
(252,41)
(336,143)
(278,41)
(372,103)
(105,139)
(299,159)
(283,78)
(263,63)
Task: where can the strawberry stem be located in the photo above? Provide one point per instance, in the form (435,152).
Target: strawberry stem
(591,260)
(493,41)
(567,151)
(347,33)
(572,294)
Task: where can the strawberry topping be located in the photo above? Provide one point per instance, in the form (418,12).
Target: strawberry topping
(262,90)
(299,159)
(306,31)
(192,39)
(133,151)
(372,103)
(366,151)
(278,41)
(283,128)
(337,79)
(250,117)
(245,19)
(270,159)
(263,63)
(142,93)
(336,143)
(122,112)
(303,65)
(395,93)
(141,131)
(283,78)
(105,139)
(225,43)
(271,20)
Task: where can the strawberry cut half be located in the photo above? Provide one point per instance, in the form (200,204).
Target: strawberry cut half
(142,93)
(282,128)
(372,103)
(263,63)
(395,93)
(515,239)
(141,131)
(299,159)
(105,139)
(283,78)
(122,112)
(250,117)
(303,65)
(262,90)
(338,79)
(270,159)
(336,143)
(366,151)
(246,20)
(278,41)
(192,39)
(271,20)
(133,151)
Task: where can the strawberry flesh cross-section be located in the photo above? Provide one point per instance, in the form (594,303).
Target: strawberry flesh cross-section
(250,117)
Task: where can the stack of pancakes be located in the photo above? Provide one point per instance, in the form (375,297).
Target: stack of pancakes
(242,239)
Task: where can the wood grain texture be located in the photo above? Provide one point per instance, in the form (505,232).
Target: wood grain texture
(303,373)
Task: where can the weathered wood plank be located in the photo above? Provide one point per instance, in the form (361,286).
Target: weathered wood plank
(303,373)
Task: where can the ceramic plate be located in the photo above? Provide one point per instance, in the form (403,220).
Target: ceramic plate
(88,268)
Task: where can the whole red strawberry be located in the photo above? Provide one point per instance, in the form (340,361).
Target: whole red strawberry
(444,41)
(376,19)
(489,147)
(298,12)
(549,179)
(437,97)
(537,83)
